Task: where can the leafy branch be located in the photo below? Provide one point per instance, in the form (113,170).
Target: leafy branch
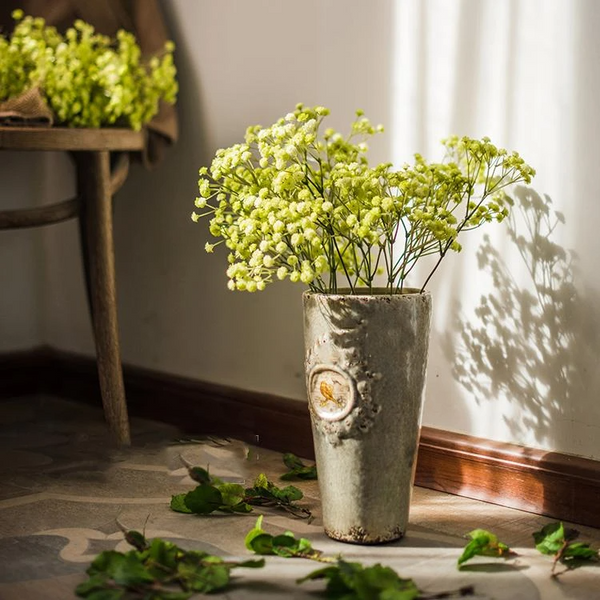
(157,570)
(557,541)
(286,545)
(266,493)
(354,581)
(212,495)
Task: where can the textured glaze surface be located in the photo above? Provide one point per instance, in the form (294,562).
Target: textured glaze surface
(366,359)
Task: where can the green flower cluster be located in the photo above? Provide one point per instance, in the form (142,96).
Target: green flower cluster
(292,203)
(87,79)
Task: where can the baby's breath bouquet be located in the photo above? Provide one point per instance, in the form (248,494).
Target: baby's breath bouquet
(86,79)
(294,202)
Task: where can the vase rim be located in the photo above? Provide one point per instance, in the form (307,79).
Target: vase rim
(379,292)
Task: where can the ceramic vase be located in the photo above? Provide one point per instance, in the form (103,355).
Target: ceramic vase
(366,360)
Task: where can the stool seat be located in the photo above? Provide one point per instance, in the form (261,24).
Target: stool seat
(97,182)
(70,138)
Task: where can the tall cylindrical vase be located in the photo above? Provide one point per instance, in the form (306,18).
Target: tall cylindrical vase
(366,359)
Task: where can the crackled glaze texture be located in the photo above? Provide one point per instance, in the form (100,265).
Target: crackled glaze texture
(366,358)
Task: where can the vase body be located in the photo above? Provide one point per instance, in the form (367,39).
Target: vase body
(365,364)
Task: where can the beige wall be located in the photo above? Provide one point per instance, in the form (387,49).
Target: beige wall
(21,252)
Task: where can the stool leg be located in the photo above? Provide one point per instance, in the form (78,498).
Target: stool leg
(85,256)
(93,182)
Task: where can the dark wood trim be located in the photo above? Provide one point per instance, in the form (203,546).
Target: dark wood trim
(557,485)
(195,407)
(24,373)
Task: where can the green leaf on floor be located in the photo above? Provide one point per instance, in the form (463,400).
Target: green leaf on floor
(579,551)
(484,543)
(161,570)
(297,469)
(353,581)
(204,499)
(136,539)
(199,474)
(162,554)
(131,571)
(551,538)
(232,494)
(178,503)
(204,577)
(557,541)
(254,532)
(286,544)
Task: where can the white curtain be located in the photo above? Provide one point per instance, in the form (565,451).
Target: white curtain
(515,348)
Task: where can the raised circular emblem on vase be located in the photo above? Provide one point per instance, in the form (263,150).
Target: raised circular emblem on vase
(330,392)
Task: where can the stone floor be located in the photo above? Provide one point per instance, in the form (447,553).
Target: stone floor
(64,487)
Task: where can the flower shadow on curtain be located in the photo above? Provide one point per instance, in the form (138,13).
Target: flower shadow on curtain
(533,344)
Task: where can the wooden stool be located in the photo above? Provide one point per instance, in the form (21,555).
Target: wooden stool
(96,185)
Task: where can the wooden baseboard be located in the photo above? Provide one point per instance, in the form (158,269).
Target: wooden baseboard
(195,407)
(556,485)
(24,373)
